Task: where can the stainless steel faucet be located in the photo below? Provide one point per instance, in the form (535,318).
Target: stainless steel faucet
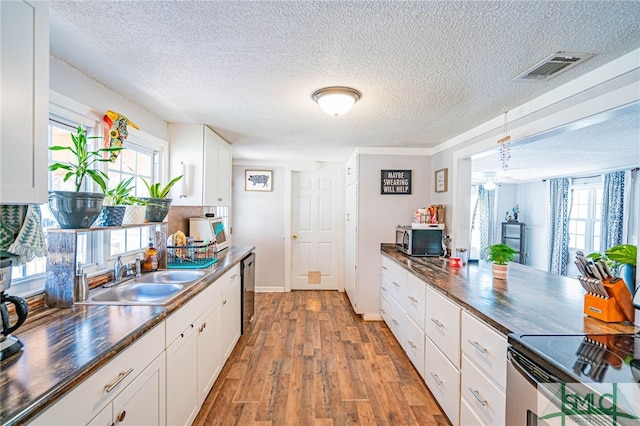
(121,272)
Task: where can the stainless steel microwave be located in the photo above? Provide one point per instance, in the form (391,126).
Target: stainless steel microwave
(419,242)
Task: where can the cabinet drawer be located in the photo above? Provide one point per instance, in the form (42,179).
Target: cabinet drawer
(385,310)
(414,345)
(178,321)
(468,417)
(443,379)
(416,300)
(231,280)
(443,325)
(93,394)
(397,322)
(485,347)
(483,396)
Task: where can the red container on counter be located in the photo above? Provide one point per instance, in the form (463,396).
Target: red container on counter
(455,262)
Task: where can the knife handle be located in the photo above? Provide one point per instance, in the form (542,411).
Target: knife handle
(594,270)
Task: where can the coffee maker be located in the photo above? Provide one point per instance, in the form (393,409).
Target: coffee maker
(9,344)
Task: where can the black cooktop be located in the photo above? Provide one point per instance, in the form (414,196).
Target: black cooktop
(594,358)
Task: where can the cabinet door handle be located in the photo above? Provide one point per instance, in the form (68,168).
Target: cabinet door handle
(121,377)
(413,299)
(219,199)
(224,302)
(477,346)
(233,277)
(395,322)
(396,284)
(477,396)
(122,415)
(384,267)
(436,322)
(383,311)
(436,378)
(413,345)
(383,288)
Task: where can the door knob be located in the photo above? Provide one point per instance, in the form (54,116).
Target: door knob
(294,236)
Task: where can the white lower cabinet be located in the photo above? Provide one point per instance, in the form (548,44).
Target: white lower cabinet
(131,387)
(484,398)
(231,312)
(443,379)
(467,416)
(414,347)
(194,354)
(139,404)
(484,370)
(443,325)
(210,359)
(182,379)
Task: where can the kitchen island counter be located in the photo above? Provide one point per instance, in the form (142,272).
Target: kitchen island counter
(529,301)
(66,346)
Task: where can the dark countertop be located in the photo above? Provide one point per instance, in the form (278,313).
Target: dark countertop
(64,348)
(530,301)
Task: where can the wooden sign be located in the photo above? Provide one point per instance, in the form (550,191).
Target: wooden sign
(395,182)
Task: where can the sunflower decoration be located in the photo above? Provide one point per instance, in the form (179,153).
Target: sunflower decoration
(116,131)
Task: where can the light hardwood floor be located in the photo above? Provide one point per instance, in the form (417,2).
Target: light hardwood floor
(309,360)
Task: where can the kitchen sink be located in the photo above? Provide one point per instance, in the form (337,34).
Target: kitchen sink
(154,288)
(172,276)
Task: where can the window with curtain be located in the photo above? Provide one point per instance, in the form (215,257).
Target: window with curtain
(585,218)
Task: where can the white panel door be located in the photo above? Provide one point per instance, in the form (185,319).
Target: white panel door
(315,231)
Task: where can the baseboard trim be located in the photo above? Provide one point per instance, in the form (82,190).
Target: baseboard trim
(372,317)
(269,289)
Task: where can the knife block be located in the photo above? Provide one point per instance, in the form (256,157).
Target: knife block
(617,308)
(606,310)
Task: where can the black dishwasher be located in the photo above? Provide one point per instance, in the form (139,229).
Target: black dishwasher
(248,273)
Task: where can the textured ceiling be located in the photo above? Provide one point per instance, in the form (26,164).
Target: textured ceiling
(427,70)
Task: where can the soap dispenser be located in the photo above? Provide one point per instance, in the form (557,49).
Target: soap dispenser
(150,258)
(80,285)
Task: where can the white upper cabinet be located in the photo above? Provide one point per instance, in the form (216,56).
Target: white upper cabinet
(24,95)
(205,158)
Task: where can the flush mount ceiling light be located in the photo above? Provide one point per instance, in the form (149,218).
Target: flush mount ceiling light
(336,100)
(489,183)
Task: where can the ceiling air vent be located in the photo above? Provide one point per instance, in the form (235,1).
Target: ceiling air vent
(553,65)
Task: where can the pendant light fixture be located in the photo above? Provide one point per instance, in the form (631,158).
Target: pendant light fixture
(505,145)
(336,100)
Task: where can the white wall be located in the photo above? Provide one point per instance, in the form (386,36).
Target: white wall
(259,220)
(74,85)
(532,199)
(379,214)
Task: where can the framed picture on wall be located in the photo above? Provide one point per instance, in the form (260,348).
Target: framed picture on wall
(258,180)
(441,180)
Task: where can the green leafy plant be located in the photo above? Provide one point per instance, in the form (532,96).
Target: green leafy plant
(121,194)
(616,256)
(83,166)
(156,191)
(625,254)
(500,254)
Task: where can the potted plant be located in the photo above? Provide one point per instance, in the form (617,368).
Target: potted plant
(622,259)
(157,202)
(500,255)
(77,209)
(115,203)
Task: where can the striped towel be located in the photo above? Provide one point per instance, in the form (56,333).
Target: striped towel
(21,233)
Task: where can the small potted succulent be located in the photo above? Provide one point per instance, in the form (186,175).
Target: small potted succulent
(157,203)
(500,255)
(78,209)
(115,202)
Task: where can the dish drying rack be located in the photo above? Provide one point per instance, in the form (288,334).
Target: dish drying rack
(197,255)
